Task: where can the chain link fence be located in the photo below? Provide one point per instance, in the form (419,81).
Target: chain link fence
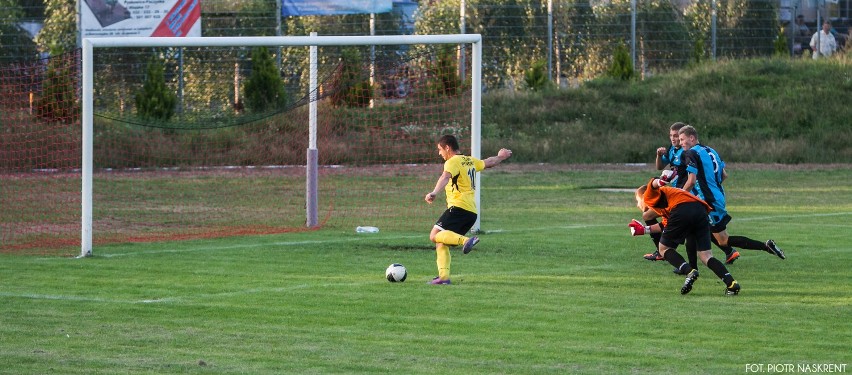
(575,39)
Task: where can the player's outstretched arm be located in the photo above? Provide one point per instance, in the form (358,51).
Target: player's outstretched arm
(638,229)
(503,154)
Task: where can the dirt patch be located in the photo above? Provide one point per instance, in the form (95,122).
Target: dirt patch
(393,170)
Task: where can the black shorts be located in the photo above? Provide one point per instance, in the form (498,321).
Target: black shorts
(721,225)
(687,222)
(456,220)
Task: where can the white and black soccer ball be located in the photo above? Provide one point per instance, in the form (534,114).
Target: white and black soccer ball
(396,273)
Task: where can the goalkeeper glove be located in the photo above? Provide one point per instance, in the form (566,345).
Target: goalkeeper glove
(637,228)
(668,175)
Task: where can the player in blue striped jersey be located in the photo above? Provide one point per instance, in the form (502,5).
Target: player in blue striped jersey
(669,158)
(705,174)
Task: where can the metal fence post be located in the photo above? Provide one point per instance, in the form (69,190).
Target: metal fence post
(550,40)
(713,31)
(461,46)
(633,33)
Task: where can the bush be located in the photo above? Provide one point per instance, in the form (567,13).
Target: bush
(58,101)
(353,88)
(699,53)
(622,64)
(444,79)
(780,44)
(155,101)
(264,88)
(536,76)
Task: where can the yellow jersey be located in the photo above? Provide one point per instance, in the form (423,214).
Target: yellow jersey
(460,189)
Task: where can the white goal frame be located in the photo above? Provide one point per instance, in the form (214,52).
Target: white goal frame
(313,41)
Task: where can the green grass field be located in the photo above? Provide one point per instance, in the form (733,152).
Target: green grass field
(557,286)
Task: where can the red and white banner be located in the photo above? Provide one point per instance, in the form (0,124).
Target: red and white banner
(159,18)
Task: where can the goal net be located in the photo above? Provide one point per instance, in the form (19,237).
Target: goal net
(188,138)
(40,154)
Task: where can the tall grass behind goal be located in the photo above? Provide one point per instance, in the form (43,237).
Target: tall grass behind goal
(220,164)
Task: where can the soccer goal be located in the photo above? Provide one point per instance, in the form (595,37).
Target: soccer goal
(192,138)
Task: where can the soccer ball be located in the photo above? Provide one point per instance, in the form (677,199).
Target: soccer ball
(396,273)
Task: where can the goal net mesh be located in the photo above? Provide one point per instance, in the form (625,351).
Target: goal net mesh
(194,143)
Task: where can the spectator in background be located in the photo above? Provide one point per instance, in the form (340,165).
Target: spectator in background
(823,42)
(840,38)
(800,24)
(801,33)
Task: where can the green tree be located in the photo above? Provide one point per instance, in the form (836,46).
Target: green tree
(514,33)
(663,38)
(699,53)
(512,29)
(17,45)
(238,18)
(156,101)
(353,86)
(389,23)
(612,21)
(12,13)
(750,29)
(590,31)
(576,38)
(622,65)
(58,100)
(444,79)
(60,27)
(264,89)
(782,49)
(743,28)
(535,77)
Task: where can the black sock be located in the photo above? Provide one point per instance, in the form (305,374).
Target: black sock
(691,254)
(675,259)
(746,243)
(720,270)
(728,249)
(655,237)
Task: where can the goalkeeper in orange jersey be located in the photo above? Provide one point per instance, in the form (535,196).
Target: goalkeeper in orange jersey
(457,180)
(686,221)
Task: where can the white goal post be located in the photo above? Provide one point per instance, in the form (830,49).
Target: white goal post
(313,41)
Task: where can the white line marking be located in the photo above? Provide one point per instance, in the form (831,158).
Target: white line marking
(374,237)
(791,216)
(180,299)
(255,245)
(58,298)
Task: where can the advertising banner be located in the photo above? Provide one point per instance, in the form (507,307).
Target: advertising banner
(332,7)
(159,18)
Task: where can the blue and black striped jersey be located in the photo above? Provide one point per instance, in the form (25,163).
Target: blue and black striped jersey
(673,158)
(708,168)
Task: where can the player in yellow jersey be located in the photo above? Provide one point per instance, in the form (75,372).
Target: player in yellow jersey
(457,180)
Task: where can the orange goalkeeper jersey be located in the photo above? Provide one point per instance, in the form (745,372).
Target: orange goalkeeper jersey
(665,199)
